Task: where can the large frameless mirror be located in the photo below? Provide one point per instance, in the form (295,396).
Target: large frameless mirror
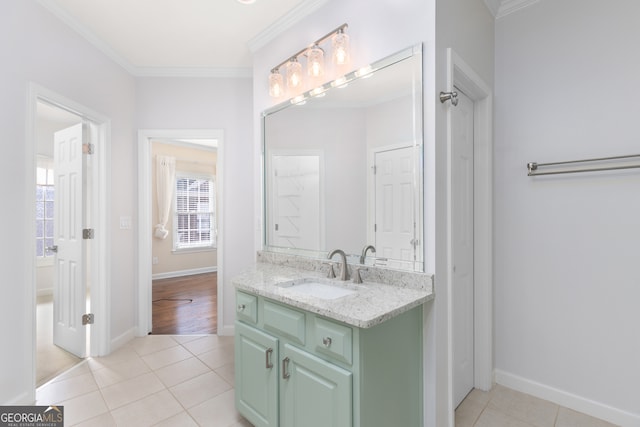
(344,168)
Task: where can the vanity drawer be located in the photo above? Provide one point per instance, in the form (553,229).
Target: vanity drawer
(247,307)
(333,339)
(284,321)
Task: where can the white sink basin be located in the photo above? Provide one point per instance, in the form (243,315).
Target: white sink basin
(318,288)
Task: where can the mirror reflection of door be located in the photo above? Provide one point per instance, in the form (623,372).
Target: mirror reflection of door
(394,227)
(295,219)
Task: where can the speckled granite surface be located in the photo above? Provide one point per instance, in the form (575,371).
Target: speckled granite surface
(383,295)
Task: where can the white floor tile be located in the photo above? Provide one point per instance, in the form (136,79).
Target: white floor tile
(227,372)
(570,418)
(147,411)
(218,357)
(207,343)
(199,389)
(58,391)
(219,411)
(182,371)
(183,419)
(124,392)
(166,357)
(152,343)
(537,412)
(83,407)
(103,420)
(119,372)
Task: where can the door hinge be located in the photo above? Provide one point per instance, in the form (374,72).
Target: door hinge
(87,319)
(277,227)
(87,233)
(375,169)
(88,148)
(375,228)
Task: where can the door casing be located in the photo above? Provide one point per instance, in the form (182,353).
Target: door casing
(461,75)
(145,310)
(100,270)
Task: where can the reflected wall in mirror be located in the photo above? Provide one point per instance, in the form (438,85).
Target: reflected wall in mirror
(344,169)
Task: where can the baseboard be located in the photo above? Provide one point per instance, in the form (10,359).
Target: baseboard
(568,400)
(226,331)
(181,273)
(122,339)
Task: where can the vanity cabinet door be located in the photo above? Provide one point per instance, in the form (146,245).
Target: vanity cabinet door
(256,370)
(313,392)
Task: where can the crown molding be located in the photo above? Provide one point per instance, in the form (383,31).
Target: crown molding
(285,22)
(509,6)
(493,6)
(87,34)
(215,72)
(218,72)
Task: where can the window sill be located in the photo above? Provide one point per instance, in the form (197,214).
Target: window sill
(194,250)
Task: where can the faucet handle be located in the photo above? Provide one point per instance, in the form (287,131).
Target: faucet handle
(357,278)
(331,274)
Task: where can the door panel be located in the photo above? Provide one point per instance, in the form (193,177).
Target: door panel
(256,382)
(462,236)
(69,282)
(316,394)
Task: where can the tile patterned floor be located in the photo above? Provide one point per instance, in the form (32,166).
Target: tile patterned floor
(158,380)
(503,407)
(175,381)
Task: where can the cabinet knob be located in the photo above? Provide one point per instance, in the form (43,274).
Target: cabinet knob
(326,341)
(241,307)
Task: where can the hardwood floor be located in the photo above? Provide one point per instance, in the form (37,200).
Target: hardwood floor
(185,305)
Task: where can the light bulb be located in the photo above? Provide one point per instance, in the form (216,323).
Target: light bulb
(340,44)
(276,86)
(315,61)
(294,74)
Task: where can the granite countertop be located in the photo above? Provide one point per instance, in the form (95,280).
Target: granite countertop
(372,304)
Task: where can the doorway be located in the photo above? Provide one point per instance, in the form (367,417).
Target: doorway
(68,200)
(180,243)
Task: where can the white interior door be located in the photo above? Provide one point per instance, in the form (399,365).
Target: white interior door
(394,189)
(462,235)
(69,294)
(296,207)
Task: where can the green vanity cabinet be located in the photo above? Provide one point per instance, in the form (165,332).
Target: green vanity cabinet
(296,368)
(257,380)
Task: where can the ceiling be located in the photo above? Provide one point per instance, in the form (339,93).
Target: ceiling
(180,37)
(212,38)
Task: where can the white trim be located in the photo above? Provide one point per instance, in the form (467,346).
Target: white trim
(568,400)
(509,6)
(282,24)
(183,273)
(145,276)
(100,268)
(462,76)
(493,6)
(123,338)
(226,330)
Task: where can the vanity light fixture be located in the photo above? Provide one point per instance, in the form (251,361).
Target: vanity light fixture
(314,61)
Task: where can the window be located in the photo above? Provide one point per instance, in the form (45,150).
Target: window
(45,192)
(194,219)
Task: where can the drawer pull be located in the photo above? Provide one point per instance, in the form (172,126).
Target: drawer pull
(326,341)
(285,368)
(241,307)
(268,362)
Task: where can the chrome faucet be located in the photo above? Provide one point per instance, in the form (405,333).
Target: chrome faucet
(344,275)
(364,252)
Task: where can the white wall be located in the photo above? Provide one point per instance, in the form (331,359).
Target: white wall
(375,33)
(37,47)
(211,103)
(567,282)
